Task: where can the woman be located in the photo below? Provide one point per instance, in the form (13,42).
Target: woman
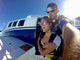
(47,44)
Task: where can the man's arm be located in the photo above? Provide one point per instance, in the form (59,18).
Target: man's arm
(71,42)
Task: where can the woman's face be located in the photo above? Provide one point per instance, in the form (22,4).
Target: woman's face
(45,25)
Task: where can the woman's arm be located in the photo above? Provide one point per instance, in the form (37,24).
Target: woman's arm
(49,47)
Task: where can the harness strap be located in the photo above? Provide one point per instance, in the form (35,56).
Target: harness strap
(49,55)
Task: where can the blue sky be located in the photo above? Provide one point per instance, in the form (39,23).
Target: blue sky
(16,9)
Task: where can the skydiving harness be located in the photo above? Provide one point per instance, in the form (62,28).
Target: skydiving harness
(55,53)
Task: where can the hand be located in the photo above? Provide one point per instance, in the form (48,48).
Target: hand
(49,45)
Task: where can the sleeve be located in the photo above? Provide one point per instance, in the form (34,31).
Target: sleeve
(63,21)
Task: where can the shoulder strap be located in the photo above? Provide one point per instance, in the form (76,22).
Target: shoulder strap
(59,32)
(52,37)
(42,35)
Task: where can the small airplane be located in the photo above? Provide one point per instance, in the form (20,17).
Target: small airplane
(25,29)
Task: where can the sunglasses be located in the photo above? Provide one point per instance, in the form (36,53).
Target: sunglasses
(50,10)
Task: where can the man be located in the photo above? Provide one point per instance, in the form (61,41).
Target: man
(71,34)
(53,13)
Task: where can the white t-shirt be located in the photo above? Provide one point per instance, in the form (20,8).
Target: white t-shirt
(57,40)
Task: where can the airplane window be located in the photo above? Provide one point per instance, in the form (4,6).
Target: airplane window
(10,24)
(14,24)
(21,23)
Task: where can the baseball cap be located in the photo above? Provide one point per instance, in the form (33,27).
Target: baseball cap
(51,7)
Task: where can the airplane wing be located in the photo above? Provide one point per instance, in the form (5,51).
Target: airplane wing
(11,48)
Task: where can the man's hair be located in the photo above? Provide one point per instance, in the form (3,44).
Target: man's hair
(52,5)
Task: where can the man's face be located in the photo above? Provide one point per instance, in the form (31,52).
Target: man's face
(52,13)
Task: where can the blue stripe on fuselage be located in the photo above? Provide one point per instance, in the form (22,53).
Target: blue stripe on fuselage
(27,35)
(19,28)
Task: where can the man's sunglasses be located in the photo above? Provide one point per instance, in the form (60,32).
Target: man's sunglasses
(50,10)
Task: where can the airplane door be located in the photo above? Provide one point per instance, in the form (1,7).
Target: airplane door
(38,31)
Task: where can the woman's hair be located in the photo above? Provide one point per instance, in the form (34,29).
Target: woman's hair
(48,20)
